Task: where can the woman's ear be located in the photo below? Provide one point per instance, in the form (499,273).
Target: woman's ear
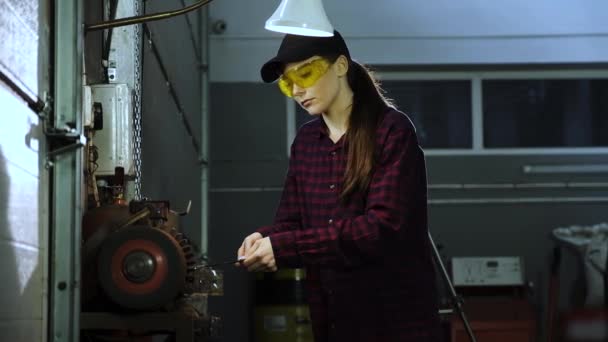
(341,66)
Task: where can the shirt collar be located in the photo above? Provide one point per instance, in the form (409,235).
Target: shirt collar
(322,128)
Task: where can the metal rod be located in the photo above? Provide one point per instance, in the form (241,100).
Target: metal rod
(33,102)
(144,18)
(456,299)
(219,264)
(81,141)
(136,217)
(204,128)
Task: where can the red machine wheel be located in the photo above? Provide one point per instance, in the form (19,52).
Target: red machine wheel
(141,268)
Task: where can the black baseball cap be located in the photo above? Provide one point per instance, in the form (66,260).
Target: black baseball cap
(295,48)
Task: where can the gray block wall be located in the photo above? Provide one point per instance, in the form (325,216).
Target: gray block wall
(170,167)
(250,159)
(248,163)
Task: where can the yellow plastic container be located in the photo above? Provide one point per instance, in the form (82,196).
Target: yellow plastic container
(281,313)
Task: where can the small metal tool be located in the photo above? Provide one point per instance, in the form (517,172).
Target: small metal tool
(239,260)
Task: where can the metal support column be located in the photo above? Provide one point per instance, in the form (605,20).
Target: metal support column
(66,174)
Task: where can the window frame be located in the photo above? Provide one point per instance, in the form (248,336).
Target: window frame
(476,78)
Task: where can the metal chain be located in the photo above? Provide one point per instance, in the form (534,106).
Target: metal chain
(137,104)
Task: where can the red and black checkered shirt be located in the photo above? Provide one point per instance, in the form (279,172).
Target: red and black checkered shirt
(370,274)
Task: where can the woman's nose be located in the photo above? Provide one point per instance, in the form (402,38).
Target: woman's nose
(297,90)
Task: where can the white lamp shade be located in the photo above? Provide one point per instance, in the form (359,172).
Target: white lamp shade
(301,17)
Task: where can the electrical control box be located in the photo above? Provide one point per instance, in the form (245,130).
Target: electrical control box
(487,271)
(115,141)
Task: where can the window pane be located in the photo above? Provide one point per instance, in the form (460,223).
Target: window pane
(545,113)
(440,110)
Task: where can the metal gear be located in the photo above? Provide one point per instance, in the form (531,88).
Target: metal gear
(188,251)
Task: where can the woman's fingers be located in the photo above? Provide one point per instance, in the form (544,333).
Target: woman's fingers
(246,247)
(250,240)
(240,255)
(260,264)
(260,257)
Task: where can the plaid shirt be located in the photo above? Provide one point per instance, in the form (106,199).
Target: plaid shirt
(370,274)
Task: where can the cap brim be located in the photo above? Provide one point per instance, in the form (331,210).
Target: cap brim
(271,70)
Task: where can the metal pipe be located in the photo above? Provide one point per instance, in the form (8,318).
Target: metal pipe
(456,186)
(521,200)
(553,169)
(488,186)
(248,189)
(144,18)
(458,201)
(204,139)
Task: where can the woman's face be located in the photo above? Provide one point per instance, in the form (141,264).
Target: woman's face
(317,98)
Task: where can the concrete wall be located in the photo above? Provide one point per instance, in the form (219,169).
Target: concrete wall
(23,182)
(248,127)
(424,33)
(170,169)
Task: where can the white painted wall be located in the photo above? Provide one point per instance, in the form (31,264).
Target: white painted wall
(23,182)
(427,32)
(23,235)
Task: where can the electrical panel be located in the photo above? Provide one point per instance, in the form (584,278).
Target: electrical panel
(487,271)
(115,141)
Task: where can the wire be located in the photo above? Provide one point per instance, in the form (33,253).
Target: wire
(93,157)
(172,91)
(144,18)
(108,41)
(192,38)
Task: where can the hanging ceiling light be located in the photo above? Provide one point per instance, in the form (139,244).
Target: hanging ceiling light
(301,17)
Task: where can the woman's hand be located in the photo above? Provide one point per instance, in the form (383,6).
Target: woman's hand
(259,256)
(246,245)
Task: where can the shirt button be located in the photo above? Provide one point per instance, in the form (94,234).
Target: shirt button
(333,153)
(330,221)
(332,186)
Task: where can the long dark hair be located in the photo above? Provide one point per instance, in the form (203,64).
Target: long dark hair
(368,105)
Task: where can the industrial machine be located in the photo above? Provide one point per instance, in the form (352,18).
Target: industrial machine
(139,267)
(495,291)
(587,320)
(141,274)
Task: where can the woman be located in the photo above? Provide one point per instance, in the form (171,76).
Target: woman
(353,209)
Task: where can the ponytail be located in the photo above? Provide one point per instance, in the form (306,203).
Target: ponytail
(368,105)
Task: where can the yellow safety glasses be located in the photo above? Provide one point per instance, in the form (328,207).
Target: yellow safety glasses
(304,76)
